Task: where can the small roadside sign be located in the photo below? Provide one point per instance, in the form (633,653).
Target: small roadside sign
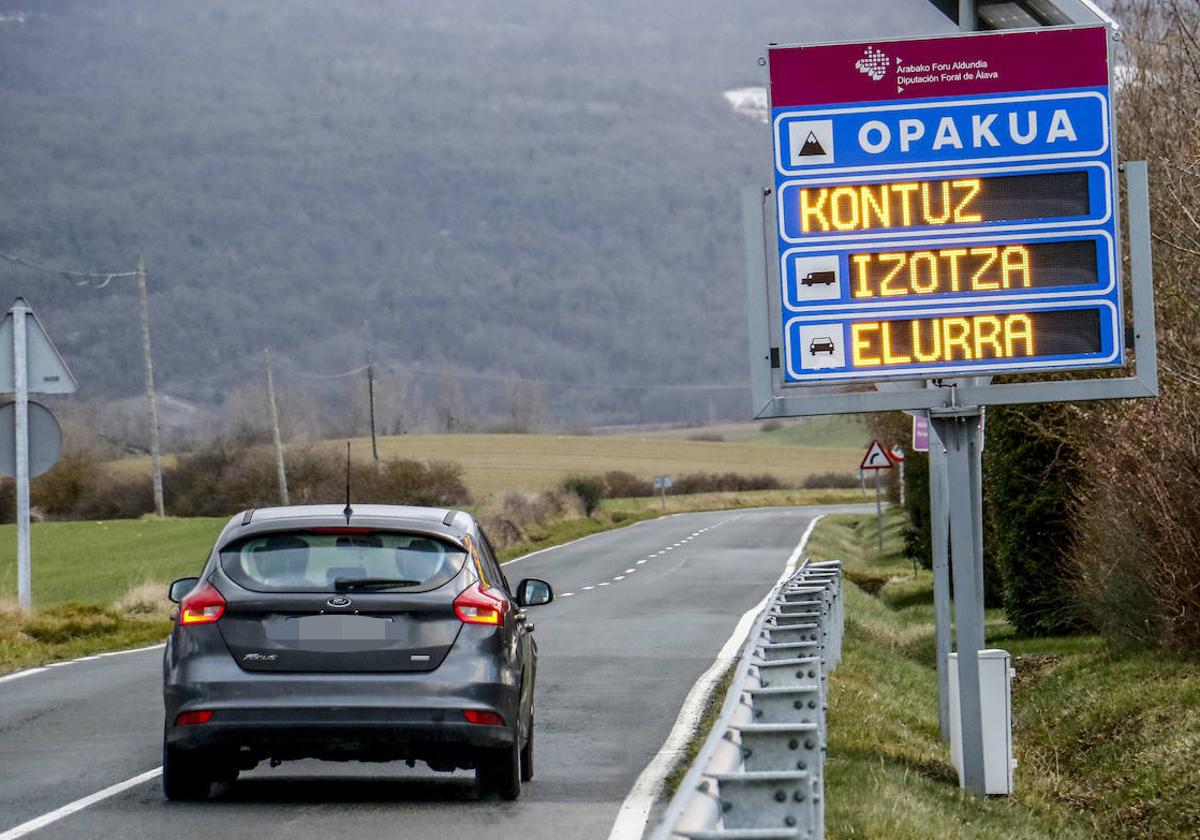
(920,434)
(48,373)
(661,483)
(45,439)
(876,458)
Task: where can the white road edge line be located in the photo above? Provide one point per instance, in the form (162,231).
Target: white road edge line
(635,810)
(16,675)
(78,805)
(572,542)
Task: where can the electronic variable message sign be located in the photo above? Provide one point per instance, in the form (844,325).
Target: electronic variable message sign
(946,206)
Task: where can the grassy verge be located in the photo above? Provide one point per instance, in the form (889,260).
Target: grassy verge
(1106,739)
(67,631)
(712,710)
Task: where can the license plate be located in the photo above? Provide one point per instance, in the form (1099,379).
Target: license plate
(339,628)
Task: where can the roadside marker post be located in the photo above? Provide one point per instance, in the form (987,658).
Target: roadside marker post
(29,364)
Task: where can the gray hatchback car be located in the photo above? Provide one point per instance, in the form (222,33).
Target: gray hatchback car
(389,633)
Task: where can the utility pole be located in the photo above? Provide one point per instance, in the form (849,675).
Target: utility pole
(280,470)
(371,403)
(155,449)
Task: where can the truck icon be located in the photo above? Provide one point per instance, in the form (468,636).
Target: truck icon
(825,278)
(821,344)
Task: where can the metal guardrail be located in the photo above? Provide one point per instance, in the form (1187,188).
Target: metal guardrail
(760,773)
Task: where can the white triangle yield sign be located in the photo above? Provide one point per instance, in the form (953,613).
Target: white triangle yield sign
(48,373)
(876,458)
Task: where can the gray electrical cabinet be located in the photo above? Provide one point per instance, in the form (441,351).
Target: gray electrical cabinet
(995,700)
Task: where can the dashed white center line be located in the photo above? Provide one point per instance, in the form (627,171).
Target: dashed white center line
(603,584)
(567,594)
(640,562)
(589,587)
(627,571)
(619,577)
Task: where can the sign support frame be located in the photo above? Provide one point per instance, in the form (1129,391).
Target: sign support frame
(951,405)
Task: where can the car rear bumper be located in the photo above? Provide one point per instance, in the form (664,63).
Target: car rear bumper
(342,734)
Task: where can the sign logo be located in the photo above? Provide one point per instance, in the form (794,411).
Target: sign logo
(810,142)
(874,63)
(339,601)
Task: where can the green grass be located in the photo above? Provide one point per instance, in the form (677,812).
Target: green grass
(1107,740)
(98,562)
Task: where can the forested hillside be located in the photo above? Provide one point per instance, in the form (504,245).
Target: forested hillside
(540,188)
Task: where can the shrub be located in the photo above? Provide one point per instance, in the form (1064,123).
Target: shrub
(623,485)
(1030,474)
(588,489)
(707,437)
(827,480)
(224,477)
(723,483)
(79,486)
(1135,552)
(508,519)
(770,425)
(918,536)
(145,599)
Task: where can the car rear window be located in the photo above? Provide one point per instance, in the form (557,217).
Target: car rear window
(312,561)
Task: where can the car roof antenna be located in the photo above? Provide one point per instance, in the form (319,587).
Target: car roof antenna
(349,511)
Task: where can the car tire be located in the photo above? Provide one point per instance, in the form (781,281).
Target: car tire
(527,754)
(498,773)
(185,777)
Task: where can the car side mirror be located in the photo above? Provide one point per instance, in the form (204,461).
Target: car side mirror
(180,588)
(532,592)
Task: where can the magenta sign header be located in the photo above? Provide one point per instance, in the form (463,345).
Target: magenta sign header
(924,68)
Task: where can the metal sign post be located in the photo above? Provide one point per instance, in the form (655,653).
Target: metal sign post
(945,210)
(662,483)
(876,459)
(21,424)
(34,367)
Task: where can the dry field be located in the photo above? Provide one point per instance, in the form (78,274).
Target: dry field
(494,463)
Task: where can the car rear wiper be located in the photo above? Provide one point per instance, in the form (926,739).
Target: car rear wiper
(344,584)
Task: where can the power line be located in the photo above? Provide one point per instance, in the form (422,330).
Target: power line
(425,370)
(81,278)
(556,383)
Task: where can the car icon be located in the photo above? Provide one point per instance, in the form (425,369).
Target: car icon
(821,344)
(824,278)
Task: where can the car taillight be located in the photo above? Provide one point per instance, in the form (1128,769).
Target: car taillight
(193,718)
(203,605)
(476,605)
(484,718)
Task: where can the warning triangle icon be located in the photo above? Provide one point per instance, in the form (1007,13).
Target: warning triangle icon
(812,147)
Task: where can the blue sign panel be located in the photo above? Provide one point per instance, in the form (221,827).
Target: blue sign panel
(925,234)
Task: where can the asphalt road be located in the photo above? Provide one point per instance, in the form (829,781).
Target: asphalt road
(641,613)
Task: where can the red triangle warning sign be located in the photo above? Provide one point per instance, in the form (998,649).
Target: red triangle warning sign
(876,458)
